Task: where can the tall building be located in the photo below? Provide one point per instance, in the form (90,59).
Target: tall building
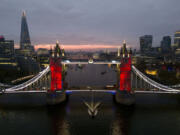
(177,39)
(146,43)
(25,42)
(6,47)
(166,44)
(7,57)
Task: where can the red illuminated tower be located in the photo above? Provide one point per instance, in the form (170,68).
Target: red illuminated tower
(56,69)
(56,94)
(125,70)
(124,94)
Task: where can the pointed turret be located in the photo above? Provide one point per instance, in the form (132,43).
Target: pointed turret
(57,42)
(121,52)
(63,52)
(118,54)
(57,50)
(124,49)
(129,53)
(51,51)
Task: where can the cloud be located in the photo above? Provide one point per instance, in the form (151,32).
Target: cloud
(90,21)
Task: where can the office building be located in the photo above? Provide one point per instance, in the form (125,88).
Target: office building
(166,44)
(6,47)
(145,43)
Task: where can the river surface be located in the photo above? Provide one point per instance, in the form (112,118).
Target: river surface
(91,75)
(152,115)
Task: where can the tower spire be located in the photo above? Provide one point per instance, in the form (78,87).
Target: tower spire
(24,13)
(57,42)
(124,42)
(124,49)
(118,54)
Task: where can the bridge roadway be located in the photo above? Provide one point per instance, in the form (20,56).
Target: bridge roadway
(98,91)
(68,62)
(150,82)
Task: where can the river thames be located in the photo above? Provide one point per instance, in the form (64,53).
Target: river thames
(152,114)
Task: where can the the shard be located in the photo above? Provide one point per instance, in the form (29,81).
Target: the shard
(25,42)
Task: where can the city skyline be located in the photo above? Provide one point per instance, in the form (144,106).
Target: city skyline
(89,67)
(75,24)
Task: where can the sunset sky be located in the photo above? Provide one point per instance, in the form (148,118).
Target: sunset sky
(90,23)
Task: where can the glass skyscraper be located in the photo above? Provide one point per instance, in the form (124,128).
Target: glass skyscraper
(25,42)
(146,43)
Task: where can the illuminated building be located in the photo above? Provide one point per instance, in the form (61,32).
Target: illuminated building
(42,51)
(151,72)
(177,39)
(8,62)
(96,56)
(43,57)
(6,47)
(177,52)
(7,52)
(25,43)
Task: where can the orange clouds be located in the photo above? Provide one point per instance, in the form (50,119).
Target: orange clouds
(78,47)
(86,47)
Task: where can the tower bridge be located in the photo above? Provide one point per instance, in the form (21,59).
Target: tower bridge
(49,83)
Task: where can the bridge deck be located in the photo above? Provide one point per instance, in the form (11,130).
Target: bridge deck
(99,91)
(86,62)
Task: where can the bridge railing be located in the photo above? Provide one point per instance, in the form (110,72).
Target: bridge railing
(152,82)
(29,82)
(154,85)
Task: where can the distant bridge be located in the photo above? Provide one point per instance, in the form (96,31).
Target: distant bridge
(90,62)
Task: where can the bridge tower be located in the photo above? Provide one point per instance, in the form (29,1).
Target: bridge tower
(124,94)
(56,94)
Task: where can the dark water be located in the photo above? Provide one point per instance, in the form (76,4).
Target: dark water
(91,75)
(151,115)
